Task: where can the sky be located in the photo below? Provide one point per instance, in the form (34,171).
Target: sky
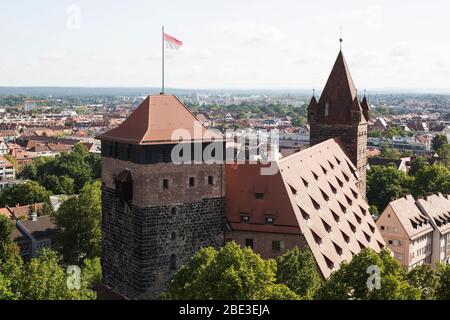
(245,44)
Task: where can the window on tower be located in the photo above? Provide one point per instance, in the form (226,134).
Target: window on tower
(327,109)
(173,263)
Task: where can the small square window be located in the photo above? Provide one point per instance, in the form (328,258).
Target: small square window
(210,180)
(249,243)
(259,195)
(270,220)
(276,245)
(191,182)
(245,218)
(166,184)
(382,228)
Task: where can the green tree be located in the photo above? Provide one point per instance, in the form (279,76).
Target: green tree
(5,288)
(438,141)
(43,279)
(385,184)
(353,280)
(424,278)
(418,164)
(432,179)
(8,249)
(229,273)
(443,287)
(79,224)
(92,272)
(59,184)
(444,154)
(26,193)
(389,153)
(78,165)
(297,269)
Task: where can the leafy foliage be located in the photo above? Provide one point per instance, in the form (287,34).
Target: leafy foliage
(26,193)
(66,173)
(79,224)
(44,279)
(385,184)
(228,273)
(438,141)
(297,269)
(351,281)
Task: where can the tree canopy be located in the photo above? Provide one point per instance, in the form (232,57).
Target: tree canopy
(297,270)
(26,193)
(66,173)
(369,276)
(438,141)
(228,273)
(79,224)
(385,184)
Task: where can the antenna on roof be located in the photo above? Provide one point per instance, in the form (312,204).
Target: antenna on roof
(340,40)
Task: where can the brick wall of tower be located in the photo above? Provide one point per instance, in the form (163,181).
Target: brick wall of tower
(354,138)
(139,238)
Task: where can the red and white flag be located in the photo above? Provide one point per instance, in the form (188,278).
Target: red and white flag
(171,42)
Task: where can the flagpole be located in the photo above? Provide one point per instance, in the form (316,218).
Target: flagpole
(162,92)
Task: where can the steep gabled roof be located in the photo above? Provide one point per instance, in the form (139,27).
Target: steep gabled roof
(339,224)
(339,93)
(412,219)
(160,119)
(314,193)
(437,207)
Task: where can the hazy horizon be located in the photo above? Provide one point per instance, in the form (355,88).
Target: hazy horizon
(232,45)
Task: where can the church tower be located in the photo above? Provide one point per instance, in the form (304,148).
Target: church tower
(156,212)
(339,114)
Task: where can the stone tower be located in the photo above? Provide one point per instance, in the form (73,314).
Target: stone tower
(157,213)
(339,114)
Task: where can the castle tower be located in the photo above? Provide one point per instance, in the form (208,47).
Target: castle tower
(157,213)
(339,114)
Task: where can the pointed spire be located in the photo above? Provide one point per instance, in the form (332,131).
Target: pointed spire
(339,93)
(366,108)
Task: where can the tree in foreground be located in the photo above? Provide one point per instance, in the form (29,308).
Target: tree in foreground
(230,273)
(358,279)
(443,282)
(44,279)
(297,270)
(79,225)
(424,278)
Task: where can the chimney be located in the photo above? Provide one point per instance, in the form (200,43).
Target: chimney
(33,213)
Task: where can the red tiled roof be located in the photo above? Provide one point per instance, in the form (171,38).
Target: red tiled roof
(340,94)
(314,193)
(156,120)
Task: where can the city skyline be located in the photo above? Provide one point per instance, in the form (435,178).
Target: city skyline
(257,45)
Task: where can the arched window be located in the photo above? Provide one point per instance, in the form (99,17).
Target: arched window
(173,263)
(327,109)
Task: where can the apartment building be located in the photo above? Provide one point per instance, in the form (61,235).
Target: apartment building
(407,232)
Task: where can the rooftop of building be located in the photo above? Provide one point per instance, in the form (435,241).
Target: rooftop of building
(314,194)
(160,119)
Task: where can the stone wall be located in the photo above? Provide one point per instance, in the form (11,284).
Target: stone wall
(138,242)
